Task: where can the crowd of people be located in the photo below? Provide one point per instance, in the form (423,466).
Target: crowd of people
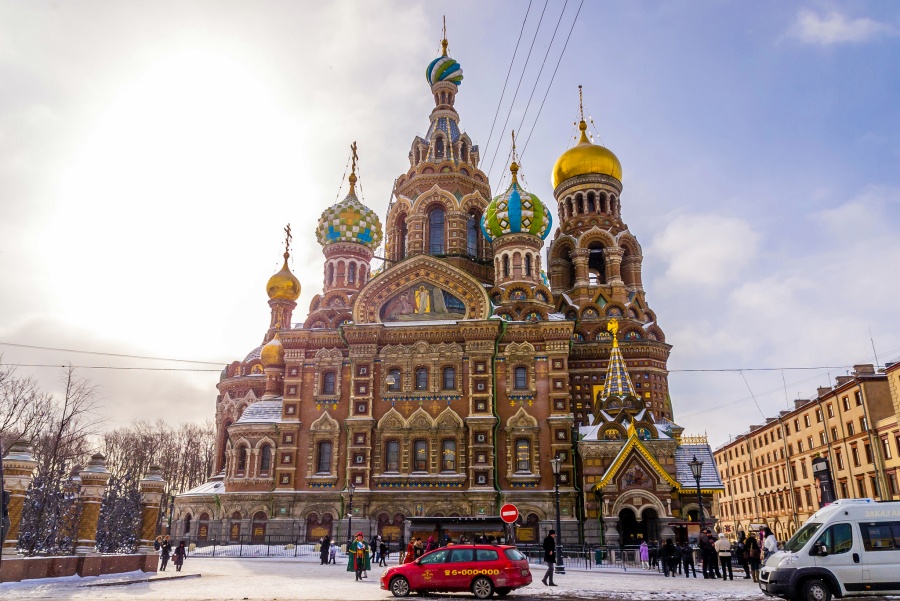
(716,554)
(163,545)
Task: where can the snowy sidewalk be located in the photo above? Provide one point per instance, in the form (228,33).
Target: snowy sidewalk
(295,579)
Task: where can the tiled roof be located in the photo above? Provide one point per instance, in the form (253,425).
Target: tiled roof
(262,412)
(617,383)
(709,475)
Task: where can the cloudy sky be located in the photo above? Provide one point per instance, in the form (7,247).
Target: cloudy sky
(151,153)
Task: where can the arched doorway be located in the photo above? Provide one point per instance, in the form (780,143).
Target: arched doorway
(203,527)
(258,527)
(317,527)
(528,532)
(390,529)
(629,528)
(650,523)
(234,532)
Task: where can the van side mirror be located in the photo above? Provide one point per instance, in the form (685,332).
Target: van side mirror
(819,549)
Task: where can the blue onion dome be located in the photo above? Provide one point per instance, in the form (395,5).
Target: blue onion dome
(444,68)
(516,211)
(350,221)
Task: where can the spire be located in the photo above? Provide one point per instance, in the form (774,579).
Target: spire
(514,166)
(617,382)
(352,179)
(444,42)
(582,124)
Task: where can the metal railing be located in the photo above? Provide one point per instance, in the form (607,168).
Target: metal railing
(268,546)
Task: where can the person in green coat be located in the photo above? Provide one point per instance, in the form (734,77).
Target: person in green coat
(358,559)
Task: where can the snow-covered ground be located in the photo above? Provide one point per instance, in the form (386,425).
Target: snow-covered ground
(304,579)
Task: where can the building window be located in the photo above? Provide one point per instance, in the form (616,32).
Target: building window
(392,456)
(472,235)
(394,383)
(448,456)
(523,455)
(846,403)
(527,264)
(806,421)
(861,487)
(850,431)
(796,425)
(436,231)
(808,497)
(351,273)
(242,460)
(265,459)
(863,425)
(858,396)
(839,458)
(420,456)
(887,448)
(830,410)
(422,378)
(449,378)
(803,468)
(855,452)
(521,378)
(506,266)
(834,433)
(868,450)
(328,380)
(323,460)
(819,416)
(845,492)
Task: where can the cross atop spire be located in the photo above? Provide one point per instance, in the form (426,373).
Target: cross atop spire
(514,166)
(444,42)
(580,103)
(352,179)
(287,240)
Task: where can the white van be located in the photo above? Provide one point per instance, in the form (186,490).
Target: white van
(850,548)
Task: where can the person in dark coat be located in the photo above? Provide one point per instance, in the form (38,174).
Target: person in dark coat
(382,552)
(687,559)
(180,554)
(743,556)
(323,550)
(549,557)
(165,551)
(670,557)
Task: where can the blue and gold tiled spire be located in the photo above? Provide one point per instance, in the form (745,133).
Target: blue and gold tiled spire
(617,383)
(350,220)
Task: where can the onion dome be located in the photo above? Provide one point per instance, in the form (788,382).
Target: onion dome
(586,158)
(516,211)
(444,68)
(284,285)
(349,221)
(272,354)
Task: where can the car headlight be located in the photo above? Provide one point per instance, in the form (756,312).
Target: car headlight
(789,560)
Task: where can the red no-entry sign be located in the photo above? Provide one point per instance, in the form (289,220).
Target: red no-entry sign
(509,513)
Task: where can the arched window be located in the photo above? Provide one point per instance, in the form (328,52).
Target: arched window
(351,274)
(187,524)
(331,273)
(523,455)
(242,460)
(436,231)
(464,151)
(323,458)
(521,378)
(597,263)
(391,456)
(422,378)
(580,201)
(265,458)
(472,237)
(448,456)
(420,456)
(439,148)
(592,206)
(506,266)
(449,378)
(401,237)
(394,379)
(528,264)
(328,382)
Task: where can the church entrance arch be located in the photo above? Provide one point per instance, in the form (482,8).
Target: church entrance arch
(234,532)
(650,522)
(390,529)
(628,527)
(258,527)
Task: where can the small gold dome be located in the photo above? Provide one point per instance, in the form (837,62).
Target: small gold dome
(272,355)
(584,158)
(284,285)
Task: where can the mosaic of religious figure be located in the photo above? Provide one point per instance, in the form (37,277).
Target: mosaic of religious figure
(636,476)
(423,302)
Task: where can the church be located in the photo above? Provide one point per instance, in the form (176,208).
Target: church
(498,333)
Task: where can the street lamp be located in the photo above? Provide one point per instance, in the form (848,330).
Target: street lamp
(351,488)
(697,470)
(556,464)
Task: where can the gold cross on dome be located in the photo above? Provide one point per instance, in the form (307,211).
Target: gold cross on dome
(287,238)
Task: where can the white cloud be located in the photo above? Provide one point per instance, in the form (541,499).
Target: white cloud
(835,28)
(705,249)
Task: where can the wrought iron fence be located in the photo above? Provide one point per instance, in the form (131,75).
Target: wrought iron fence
(268,546)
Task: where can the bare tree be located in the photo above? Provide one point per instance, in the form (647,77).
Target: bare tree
(24,408)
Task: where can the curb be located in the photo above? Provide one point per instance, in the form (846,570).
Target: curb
(150,579)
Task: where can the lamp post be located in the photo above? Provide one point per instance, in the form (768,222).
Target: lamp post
(556,464)
(351,488)
(697,470)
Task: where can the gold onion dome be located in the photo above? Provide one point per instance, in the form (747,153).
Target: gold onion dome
(284,285)
(586,158)
(272,354)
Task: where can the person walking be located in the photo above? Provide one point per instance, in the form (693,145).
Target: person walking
(770,544)
(373,548)
(325,543)
(332,554)
(669,557)
(431,545)
(358,557)
(753,556)
(723,550)
(165,551)
(180,554)
(687,559)
(410,551)
(645,555)
(418,548)
(741,550)
(704,544)
(549,557)
(382,552)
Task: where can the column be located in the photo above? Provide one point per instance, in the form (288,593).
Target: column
(613,256)
(580,260)
(18,466)
(93,486)
(152,487)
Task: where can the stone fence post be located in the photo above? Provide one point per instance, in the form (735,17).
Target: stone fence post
(18,467)
(94,479)
(152,488)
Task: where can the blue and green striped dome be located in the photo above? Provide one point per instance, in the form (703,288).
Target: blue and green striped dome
(349,221)
(444,68)
(516,211)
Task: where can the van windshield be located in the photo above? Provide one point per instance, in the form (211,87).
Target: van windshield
(802,536)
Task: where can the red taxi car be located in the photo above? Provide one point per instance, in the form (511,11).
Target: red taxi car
(481,569)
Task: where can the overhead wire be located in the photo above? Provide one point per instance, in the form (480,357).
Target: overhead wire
(103,354)
(508,72)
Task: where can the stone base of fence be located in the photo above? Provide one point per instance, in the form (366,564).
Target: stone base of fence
(15,569)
